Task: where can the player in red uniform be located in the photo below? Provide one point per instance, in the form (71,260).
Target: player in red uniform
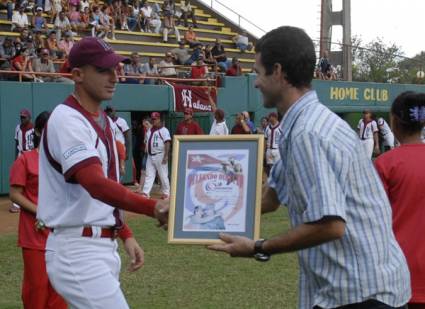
(37,292)
(402,171)
(188,126)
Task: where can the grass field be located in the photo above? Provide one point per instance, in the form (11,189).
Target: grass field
(179,276)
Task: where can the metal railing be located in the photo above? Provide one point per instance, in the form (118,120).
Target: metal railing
(239,16)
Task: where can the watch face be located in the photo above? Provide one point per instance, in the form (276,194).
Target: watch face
(261,257)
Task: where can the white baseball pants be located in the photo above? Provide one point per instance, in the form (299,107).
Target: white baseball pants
(153,165)
(85,270)
(272,156)
(368,146)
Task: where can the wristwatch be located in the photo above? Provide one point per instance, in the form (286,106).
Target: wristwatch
(259,254)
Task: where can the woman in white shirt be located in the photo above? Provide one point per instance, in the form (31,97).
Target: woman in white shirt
(219,126)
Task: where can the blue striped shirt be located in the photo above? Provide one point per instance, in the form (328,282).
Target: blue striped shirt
(324,171)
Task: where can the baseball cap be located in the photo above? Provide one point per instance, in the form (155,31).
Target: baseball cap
(25,113)
(94,51)
(39,8)
(273,114)
(45,51)
(188,111)
(155,115)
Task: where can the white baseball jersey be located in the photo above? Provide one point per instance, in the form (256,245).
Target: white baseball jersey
(366,131)
(219,128)
(24,137)
(272,136)
(72,140)
(121,127)
(383,126)
(156,139)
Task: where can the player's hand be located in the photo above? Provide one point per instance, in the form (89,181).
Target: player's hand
(165,160)
(376,151)
(235,245)
(161,212)
(136,254)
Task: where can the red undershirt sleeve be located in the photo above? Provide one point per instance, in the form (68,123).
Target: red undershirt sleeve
(110,192)
(125,232)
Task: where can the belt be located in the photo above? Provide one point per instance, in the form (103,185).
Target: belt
(154,154)
(105,232)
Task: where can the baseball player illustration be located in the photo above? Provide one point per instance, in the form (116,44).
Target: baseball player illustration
(122,136)
(80,197)
(386,133)
(158,142)
(368,133)
(272,134)
(24,133)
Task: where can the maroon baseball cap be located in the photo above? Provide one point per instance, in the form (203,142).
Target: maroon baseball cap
(94,51)
(25,113)
(188,111)
(155,115)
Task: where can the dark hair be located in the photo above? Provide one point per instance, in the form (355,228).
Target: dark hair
(220,114)
(409,109)
(40,123)
(293,49)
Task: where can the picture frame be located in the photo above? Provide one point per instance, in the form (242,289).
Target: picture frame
(216,184)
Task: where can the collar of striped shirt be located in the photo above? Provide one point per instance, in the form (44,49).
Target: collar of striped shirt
(295,110)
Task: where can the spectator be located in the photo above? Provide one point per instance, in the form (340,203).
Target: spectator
(158,145)
(386,134)
(56,9)
(19,20)
(52,45)
(39,40)
(155,22)
(263,125)
(83,5)
(7,5)
(24,37)
(75,20)
(403,174)
(181,54)
(150,69)
(208,57)
(62,25)
(240,127)
(66,44)
(132,18)
(119,14)
(45,64)
(190,37)
(168,9)
(39,23)
(248,121)
(199,69)
(73,3)
(218,126)
(85,19)
(22,63)
(134,68)
(29,46)
(235,69)
(7,52)
(187,12)
(122,136)
(188,126)
(368,133)
(98,29)
(106,21)
(325,69)
(272,135)
(219,55)
(145,17)
(166,66)
(196,53)
(241,41)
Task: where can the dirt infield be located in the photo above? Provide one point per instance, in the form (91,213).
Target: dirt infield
(9,221)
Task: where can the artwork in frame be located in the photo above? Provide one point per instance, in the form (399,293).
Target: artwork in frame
(215,187)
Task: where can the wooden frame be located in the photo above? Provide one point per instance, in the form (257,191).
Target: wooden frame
(215,187)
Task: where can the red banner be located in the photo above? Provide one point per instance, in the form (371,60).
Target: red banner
(195,97)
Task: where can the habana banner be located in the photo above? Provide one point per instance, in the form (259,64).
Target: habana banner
(194,97)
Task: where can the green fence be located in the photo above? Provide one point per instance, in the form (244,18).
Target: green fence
(235,95)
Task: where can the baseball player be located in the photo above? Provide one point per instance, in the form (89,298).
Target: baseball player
(188,126)
(24,133)
(37,291)
(386,133)
(368,133)
(272,135)
(158,142)
(80,197)
(122,136)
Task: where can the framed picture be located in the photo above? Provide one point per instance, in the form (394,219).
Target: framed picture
(215,187)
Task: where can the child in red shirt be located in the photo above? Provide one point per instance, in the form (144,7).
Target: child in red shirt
(37,292)
(402,171)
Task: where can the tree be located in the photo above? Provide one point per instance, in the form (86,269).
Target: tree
(376,62)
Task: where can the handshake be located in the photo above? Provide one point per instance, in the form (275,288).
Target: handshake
(161,213)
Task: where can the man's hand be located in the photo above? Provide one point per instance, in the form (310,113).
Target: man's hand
(377,151)
(161,212)
(165,160)
(136,254)
(235,245)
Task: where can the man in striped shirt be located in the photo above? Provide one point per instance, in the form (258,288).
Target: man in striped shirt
(340,215)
